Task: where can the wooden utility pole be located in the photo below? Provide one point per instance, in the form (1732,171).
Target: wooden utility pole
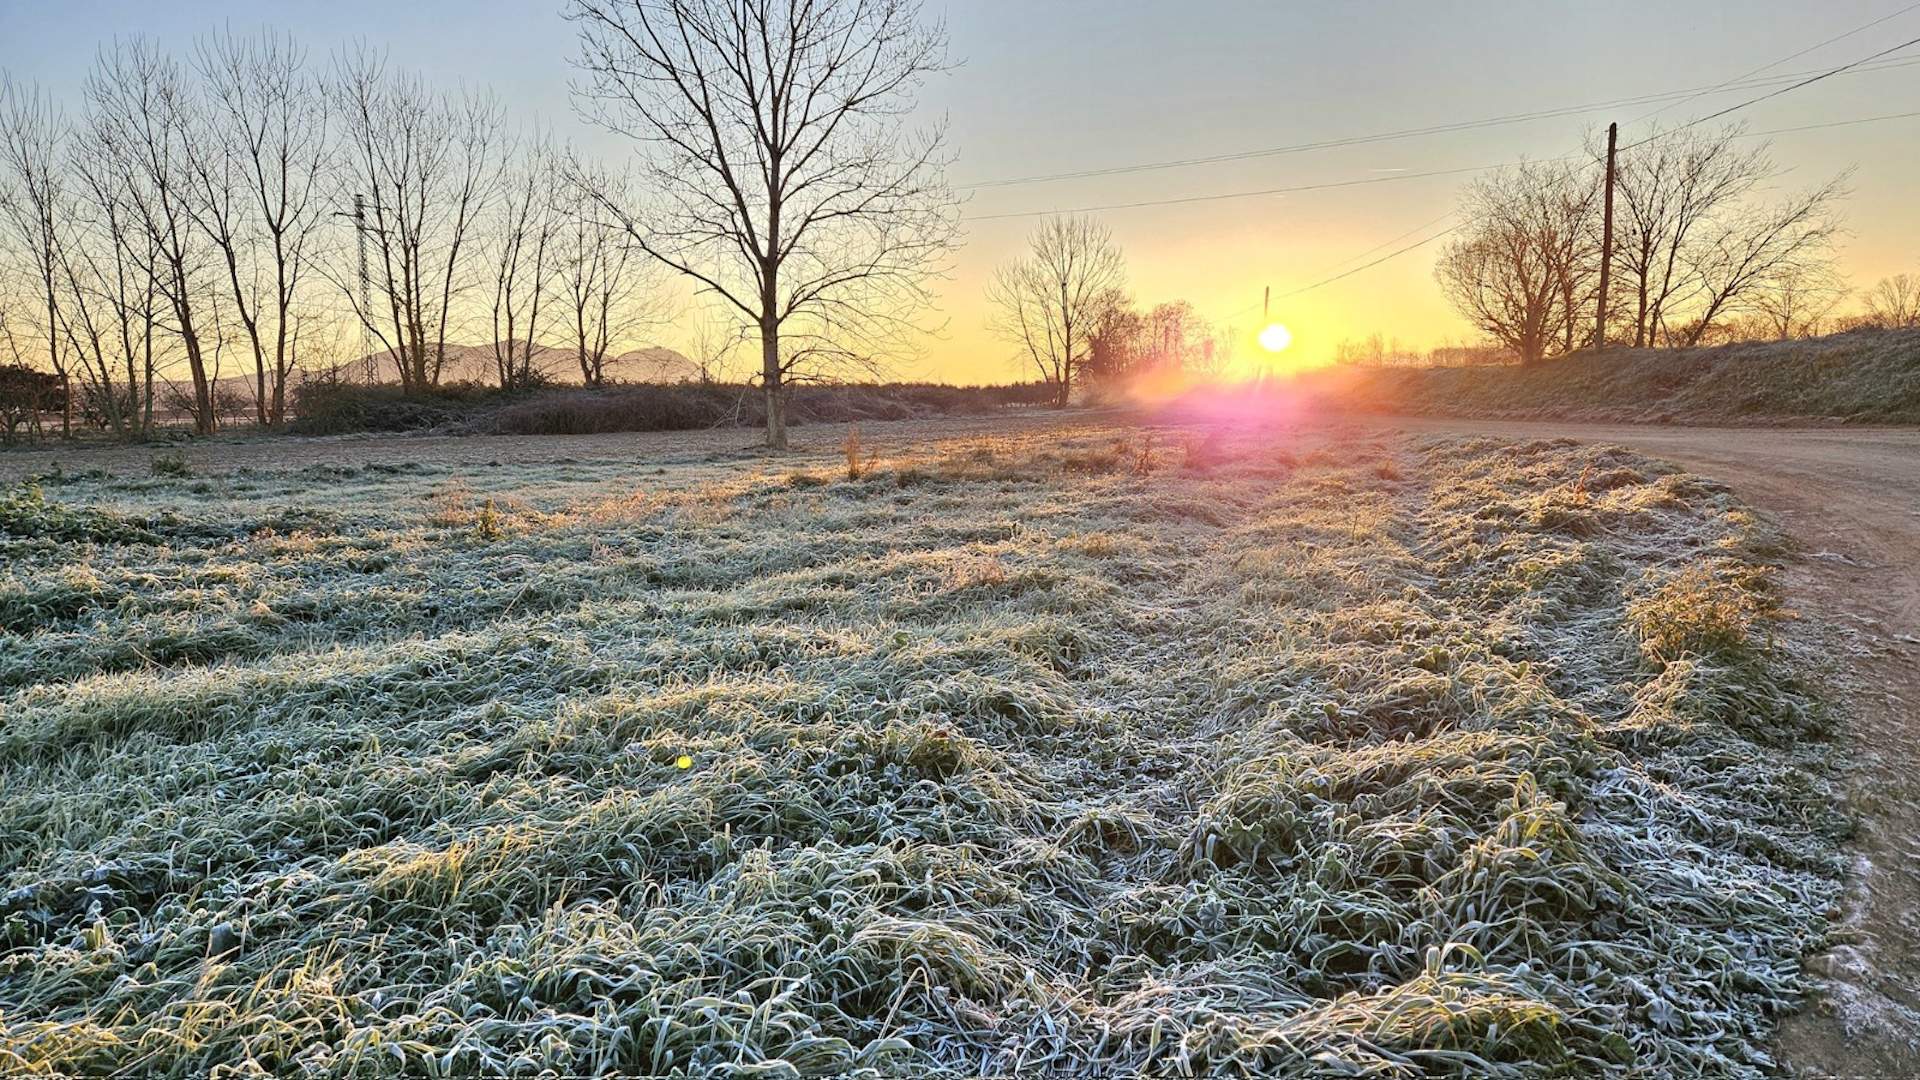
(1606,246)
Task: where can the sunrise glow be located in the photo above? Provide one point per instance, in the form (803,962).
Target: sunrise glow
(1275,338)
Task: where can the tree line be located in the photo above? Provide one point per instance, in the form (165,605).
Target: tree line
(193,214)
(1703,250)
(247,208)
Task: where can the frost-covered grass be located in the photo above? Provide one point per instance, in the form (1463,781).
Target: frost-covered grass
(1088,755)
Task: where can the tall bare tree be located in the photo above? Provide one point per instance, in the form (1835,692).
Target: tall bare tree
(1052,302)
(428,164)
(32,198)
(608,288)
(114,321)
(524,255)
(1694,243)
(258,163)
(140,121)
(786,179)
(1523,271)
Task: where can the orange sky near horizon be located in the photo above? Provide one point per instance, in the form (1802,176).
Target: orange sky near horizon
(1090,84)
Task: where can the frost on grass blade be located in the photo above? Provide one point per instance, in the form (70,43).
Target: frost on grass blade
(1011,756)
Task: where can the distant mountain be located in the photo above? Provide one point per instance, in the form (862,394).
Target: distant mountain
(655,363)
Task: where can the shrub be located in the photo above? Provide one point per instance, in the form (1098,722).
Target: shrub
(334,408)
(172,463)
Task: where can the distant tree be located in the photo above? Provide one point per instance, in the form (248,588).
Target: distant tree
(525,263)
(1117,346)
(257,162)
(785,180)
(712,346)
(608,288)
(141,132)
(1894,302)
(1524,271)
(1798,302)
(32,205)
(1051,302)
(429,163)
(25,393)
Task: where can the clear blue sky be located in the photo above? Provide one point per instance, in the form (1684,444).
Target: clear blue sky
(1071,84)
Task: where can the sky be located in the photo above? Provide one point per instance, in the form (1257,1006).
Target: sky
(1045,86)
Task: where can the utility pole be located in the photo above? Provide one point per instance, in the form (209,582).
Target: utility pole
(366,284)
(1266,307)
(1606,245)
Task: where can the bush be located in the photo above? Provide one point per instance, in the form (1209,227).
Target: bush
(335,408)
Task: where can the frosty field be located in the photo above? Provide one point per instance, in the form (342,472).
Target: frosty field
(1023,753)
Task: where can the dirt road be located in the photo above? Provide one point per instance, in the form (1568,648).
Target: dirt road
(1849,497)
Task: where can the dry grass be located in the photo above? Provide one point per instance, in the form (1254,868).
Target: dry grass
(1010,757)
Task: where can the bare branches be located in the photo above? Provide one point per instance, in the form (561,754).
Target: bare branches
(524,246)
(1696,249)
(32,197)
(141,114)
(430,163)
(258,165)
(1694,246)
(606,285)
(1524,272)
(1051,303)
(785,181)
(1894,302)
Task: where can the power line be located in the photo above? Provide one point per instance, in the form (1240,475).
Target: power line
(1371,180)
(1776,93)
(1384,258)
(1777,63)
(1407,133)
(1220,196)
(1422,243)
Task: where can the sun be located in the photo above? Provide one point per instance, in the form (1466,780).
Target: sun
(1275,338)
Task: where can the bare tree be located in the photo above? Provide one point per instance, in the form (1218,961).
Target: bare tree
(524,250)
(428,165)
(1052,302)
(1753,251)
(1798,301)
(1894,302)
(139,122)
(713,344)
(114,321)
(1523,272)
(787,182)
(606,284)
(257,163)
(1694,246)
(32,195)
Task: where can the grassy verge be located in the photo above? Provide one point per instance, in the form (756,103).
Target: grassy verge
(1864,376)
(1390,758)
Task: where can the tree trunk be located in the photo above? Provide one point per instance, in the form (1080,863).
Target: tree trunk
(770,381)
